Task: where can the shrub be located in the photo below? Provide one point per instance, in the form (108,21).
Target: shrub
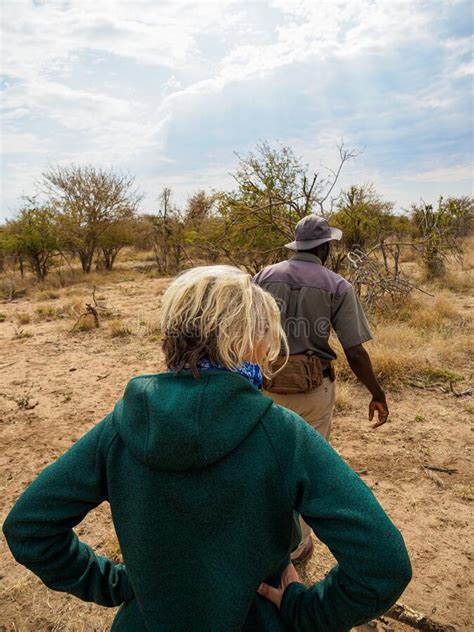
(85,323)
(21,334)
(119,329)
(50,295)
(45,312)
(23,318)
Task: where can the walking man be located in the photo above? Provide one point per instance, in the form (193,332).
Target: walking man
(313,299)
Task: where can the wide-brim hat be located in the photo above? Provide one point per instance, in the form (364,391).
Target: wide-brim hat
(312,231)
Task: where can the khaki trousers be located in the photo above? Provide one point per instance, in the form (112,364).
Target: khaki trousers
(316,407)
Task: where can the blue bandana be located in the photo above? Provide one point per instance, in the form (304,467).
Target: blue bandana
(248,370)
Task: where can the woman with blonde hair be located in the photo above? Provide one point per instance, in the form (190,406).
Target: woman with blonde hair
(204,474)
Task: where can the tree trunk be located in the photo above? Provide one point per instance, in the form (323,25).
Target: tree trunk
(37,268)
(110,255)
(86,257)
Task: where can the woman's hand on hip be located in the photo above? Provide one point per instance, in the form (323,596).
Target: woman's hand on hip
(275,595)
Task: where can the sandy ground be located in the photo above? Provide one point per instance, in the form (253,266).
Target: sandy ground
(54,386)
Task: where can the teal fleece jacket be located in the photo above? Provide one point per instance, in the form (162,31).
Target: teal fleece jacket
(203,477)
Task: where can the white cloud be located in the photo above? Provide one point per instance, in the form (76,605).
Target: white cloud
(456,173)
(465,70)
(159,34)
(60,108)
(72,108)
(15,142)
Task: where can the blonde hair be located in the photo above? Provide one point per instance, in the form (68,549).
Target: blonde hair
(218,313)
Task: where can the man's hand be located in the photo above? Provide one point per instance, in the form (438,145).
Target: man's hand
(361,366)
(380,405)
(275,595)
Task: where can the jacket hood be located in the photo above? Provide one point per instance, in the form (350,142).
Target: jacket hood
(178,422)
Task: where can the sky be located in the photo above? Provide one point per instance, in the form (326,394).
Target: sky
(169,91)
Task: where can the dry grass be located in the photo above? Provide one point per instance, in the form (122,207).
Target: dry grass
(460,281)
(23,318)
(469,407)
(149,328)
(112,548)
(21,334)
(344,397)
(425,313)
(46,312)
(13,285)
(132,254)
(119,329)
(69,309)
(85,323)
(401,351)
(74,306)
(468,255)
(48,295)
(28,598)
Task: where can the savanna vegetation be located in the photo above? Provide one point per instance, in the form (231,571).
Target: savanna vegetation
(85,216)
(82,269)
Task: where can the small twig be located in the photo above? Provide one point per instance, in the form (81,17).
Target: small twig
(102,377)
(467,393)
(93,311)
(414,619)
(424,386)
(434,477)
(89,311)
(435,468)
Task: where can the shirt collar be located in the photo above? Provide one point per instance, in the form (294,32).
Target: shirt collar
(307,256)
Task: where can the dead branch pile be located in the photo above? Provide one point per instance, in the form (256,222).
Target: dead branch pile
(374,283)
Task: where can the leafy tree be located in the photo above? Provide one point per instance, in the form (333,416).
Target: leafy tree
(438,232)
(88,201)
(116,236)
(33,235)
(200,207)
(201,226)
(274,190)
(460,211)
(363,216)
(166,234)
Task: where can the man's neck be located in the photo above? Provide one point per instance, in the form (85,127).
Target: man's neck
(301,255)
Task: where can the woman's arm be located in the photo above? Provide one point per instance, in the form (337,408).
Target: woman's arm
(373,566)
(39,528)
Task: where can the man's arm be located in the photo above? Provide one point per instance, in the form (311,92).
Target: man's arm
(361,366)
(351,326)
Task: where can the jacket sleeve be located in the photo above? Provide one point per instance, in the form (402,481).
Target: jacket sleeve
(39,528)
(372,568)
